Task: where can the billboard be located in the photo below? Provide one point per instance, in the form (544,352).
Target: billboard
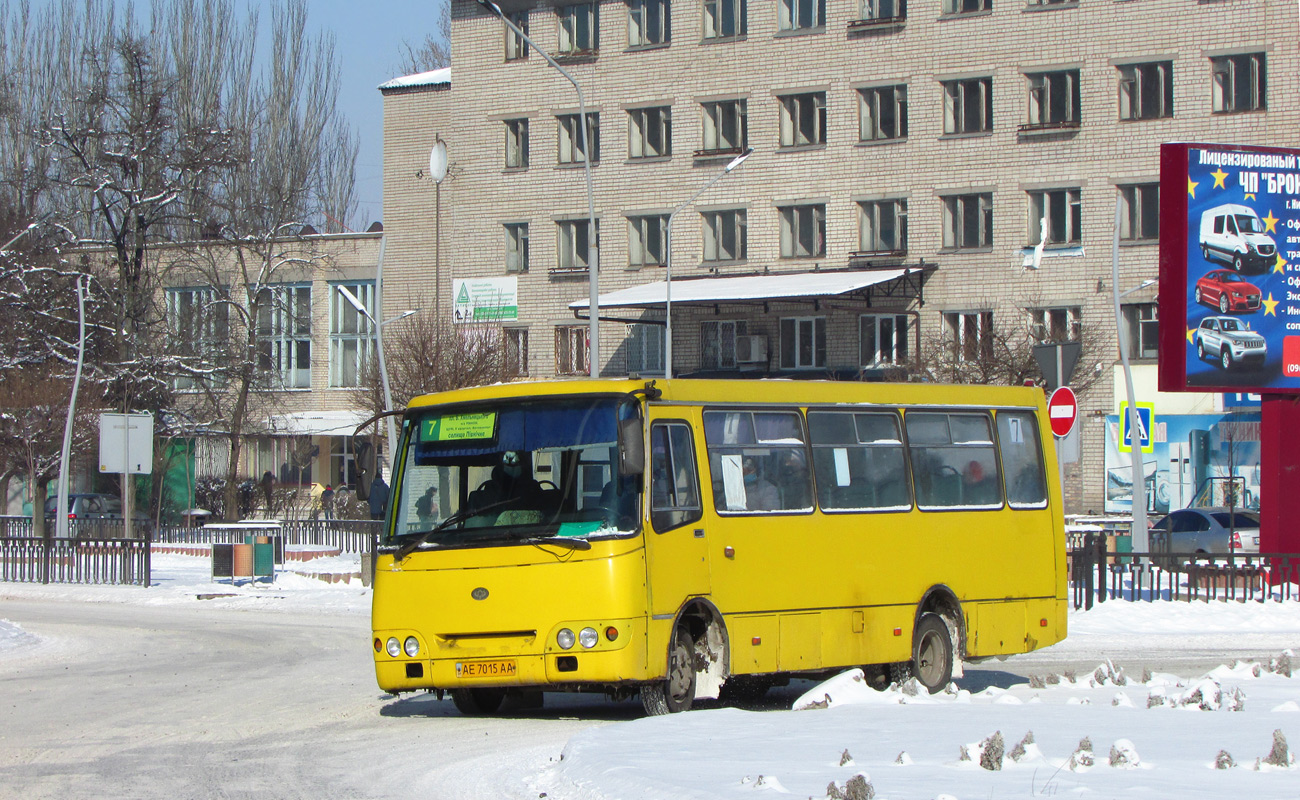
(485,300)
(1229,268)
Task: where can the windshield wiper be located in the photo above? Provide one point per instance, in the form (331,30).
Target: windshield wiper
(460,516)
(563,541)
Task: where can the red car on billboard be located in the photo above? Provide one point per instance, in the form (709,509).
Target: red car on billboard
(1224,290)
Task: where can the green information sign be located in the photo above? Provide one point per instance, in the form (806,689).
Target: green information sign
(459,427)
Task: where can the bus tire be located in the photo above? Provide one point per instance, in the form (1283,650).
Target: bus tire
(675,693)
(477,702)
(932,655)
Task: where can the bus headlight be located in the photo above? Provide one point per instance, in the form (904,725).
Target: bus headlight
(587,637)
(411,646)
(564,638)
(393,646)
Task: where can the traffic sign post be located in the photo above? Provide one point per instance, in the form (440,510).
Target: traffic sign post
(1146,413)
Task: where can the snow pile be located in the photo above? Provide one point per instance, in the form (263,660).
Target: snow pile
(13,638)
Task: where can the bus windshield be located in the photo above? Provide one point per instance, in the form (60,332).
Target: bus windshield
(510,471)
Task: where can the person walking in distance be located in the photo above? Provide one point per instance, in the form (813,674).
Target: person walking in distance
(327,501)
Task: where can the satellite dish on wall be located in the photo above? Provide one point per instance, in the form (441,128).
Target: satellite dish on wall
(438,161)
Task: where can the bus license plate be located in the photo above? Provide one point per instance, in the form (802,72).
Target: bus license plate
(502,668)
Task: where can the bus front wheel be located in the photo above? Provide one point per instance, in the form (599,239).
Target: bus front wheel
(676,692)
(932,650)
(477,702)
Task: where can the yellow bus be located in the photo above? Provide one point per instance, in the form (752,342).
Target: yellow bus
(696,539)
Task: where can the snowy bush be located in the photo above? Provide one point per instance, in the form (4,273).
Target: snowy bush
(845,758)
(856,788)
(1082,759)
(1023,748)
(1224,761)
(1282,664)
(1123,755)
(1280,755)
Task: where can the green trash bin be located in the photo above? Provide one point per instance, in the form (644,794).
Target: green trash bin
(1123,544)
(263,556)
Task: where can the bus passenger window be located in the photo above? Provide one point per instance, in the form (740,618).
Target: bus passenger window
(674,490)
(1022,459)
(953,460)
(758,461)
(858,460)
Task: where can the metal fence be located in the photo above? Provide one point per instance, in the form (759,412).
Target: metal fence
(1098,574)
(28,559)
(346,535)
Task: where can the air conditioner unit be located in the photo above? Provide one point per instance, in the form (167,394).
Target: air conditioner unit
(751,349)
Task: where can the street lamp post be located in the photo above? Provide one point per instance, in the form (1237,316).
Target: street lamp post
(593,252)
(438,172)
(1139,538)
(668,259)
(379,348)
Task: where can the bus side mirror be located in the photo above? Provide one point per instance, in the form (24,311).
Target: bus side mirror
(365,458)
(631,447)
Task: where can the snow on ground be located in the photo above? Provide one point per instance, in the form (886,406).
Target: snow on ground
(1112,731)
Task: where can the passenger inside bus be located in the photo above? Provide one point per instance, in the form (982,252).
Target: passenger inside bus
(760,493)
(510,491)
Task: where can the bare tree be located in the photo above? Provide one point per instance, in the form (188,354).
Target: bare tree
(434,52)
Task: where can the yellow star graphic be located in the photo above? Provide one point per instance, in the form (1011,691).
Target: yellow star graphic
(1270,305)
(1281,262)
(1219,176)
(1191,187)
(1270,222)
(1191,333)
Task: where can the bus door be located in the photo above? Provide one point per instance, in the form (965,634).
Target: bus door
(676,547)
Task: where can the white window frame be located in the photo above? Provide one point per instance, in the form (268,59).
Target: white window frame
(573,246)
(801,15)
(1063,210)
(352,335)
(649,23)
(1140,207)
(647,240)
(579,29)
(726,125)
(718,343)
(882,113)
(803,119)
(514,343)
(650,132)
(644,348)
(518,250)
(718,227)
(1143,323)
(1055,325)
(967,6)
(796,343)
(970,333)
(968,105)
(803,231)
(569,137)
(876,216)
(1239,83)
(960,212)
(1054,99)
(882,10)
(517,143)
(198,322)
(571,350)
(725,19)
(284,335)
(882,339)
(516,47)
(1146,91)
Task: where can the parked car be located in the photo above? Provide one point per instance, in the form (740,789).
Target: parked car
(1207,530)
(87,506)
(1229,341)
(1235,235)
(1222,289)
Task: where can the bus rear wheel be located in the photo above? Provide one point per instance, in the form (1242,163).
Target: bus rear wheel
(932,653)
(477,702)
(676,692)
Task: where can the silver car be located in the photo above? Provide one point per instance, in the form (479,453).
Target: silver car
(1207,530)
(1229,341)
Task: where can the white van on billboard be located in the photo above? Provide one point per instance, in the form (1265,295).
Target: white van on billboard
(1234,234)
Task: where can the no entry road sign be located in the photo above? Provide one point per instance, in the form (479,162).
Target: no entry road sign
(1062,411)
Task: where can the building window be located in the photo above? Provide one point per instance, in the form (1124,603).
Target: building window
(1146,91)
(882,339)
(573,245)
(644,348)
(1054,99)
(718,342)
(571,350)
(803,231)
(570,138)
(724,235)
(803,119)
(724,19)
(882,226)
(882,113)
(579,28)
(650,132)
(803,342)
(882,10)
(648,23)
(799,15)
(970,334)
(284,335)
(197,321)
(516,246)
(1239,83)
(352,336)
(968,221)
(968,105)
(726,126)
(966,6)
(646,241)
(1054,325)
(1140,208)
(516,144)
(1143,328)
(1063,214)
(516,47)
(515,342)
